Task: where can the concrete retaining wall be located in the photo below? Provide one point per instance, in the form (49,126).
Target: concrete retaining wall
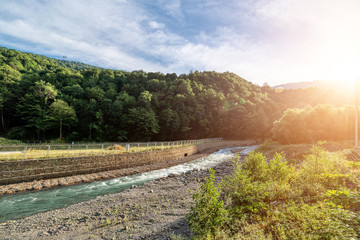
(30,170)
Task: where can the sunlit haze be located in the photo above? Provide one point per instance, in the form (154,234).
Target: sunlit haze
(276,41)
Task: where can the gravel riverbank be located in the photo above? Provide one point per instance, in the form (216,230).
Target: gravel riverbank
(154,210)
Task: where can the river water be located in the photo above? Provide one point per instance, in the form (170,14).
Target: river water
(26,204)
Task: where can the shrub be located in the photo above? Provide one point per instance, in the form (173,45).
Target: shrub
(209,213)
(256,166)
(247,196)
(343,198)
(317,199)
(279,170)
(335,180)
(57,141)
(318,221)
(5,141)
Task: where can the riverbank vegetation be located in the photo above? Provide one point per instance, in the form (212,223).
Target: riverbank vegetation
(316,198)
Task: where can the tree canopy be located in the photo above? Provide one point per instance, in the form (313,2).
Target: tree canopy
(95,104)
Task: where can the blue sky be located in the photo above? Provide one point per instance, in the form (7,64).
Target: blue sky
(273,41)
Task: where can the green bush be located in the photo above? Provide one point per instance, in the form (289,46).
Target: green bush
(209,213)
(5,141)
(245,187)
(247,196)
(256,166)
(343,198)
(255,182)
(318,221)
(317,199)
(335,180)
(57,141)
(279,170)
(322,171)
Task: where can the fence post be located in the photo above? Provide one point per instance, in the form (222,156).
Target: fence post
(69,149)
(102,149)
(115,148)
(162,146)
(127,147)
(147,147)
(48,150)
(25,150)
(138,148)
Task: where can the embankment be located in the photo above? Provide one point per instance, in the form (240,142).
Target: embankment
(19,176)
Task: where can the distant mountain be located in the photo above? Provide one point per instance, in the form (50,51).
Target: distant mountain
(304,85)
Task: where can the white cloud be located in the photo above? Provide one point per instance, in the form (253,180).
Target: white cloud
(275,41)
(156,25)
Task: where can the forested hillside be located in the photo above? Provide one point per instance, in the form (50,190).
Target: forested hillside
(44,98)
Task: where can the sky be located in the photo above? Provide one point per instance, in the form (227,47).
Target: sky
(263,41)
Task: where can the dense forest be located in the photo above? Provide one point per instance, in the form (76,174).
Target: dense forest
(43,98)
(311,124)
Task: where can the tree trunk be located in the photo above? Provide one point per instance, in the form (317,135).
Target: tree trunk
(90,126)
(60,130)
(2,120)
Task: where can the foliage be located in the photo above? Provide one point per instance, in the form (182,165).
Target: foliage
(256,167)
(279,170)
(194,105)
(316,199)
(117,105)
(209,213)
(5,141)
(317,221)
(57,141)
(343,198)
(311,124)
(61,113)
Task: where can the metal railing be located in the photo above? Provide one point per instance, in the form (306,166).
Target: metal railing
(39,151)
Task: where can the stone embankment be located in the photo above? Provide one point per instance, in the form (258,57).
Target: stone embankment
(30,175)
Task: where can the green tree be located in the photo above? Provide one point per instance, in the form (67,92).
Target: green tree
(63,114)
(46,91)
(8,75)
(145,99)
(142,124)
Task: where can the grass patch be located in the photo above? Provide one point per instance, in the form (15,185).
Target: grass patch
(31,153)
